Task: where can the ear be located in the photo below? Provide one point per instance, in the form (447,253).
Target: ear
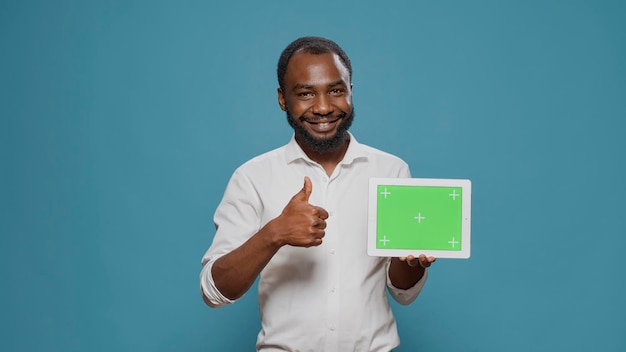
(281,100)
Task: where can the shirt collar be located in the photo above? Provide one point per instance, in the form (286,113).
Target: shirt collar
(294,152)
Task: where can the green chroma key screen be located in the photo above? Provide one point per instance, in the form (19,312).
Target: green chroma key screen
(419,217)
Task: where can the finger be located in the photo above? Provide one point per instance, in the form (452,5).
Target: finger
(316,242)
(320,224)
(321,213)
(305,192)
(317,238)
(411,261)
(425,261)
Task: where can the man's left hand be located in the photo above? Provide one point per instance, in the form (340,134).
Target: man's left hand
(422,260)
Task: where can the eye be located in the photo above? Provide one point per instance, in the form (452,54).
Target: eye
(305,94)
(337,91)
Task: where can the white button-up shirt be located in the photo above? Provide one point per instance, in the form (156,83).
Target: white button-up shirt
(326,298)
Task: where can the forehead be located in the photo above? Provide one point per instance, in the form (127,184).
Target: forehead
(310,68)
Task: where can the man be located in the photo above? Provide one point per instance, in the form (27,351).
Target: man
(319,290)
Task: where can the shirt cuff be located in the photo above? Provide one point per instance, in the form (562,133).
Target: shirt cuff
(409,295)
(212,296)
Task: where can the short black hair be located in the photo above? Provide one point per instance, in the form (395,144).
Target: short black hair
(310,45)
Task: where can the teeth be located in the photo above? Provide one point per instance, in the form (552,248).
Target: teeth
(324,124)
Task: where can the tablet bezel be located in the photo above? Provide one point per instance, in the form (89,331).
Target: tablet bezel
(466,198)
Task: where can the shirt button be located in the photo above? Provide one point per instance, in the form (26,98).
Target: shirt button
(332,251)
(330,213)
(332,290)
(332,328)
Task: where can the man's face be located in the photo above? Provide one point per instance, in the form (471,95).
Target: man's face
(317,98)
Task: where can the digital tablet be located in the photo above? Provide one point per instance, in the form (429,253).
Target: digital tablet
(413,216)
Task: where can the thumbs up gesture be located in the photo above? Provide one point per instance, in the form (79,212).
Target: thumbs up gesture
(300,224)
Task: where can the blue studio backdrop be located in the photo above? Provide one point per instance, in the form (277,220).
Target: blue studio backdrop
(122,121)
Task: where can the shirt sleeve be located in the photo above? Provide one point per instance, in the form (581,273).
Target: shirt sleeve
(212,296)
(409,295)
(236,219)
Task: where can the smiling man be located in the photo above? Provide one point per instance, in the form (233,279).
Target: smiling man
(320,110)
(297,216)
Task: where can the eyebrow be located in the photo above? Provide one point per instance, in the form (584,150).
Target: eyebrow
(310,86)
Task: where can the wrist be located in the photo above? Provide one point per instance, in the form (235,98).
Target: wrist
(273,235)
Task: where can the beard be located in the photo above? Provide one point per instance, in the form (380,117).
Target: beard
(322,145)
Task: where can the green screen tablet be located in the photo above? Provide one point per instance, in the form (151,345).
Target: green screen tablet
(419,216)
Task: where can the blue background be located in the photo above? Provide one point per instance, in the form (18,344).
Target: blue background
(121,122)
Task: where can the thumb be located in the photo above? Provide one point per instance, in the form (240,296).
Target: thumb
(306,190)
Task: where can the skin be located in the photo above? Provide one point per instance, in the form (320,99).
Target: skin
(318,97)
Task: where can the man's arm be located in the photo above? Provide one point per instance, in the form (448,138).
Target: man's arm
(300,224)
(405,272)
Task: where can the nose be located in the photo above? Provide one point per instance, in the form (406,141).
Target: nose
(322,105)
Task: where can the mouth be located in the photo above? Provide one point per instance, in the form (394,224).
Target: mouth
(322,125)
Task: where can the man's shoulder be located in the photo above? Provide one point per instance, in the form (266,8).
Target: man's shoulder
(264,160)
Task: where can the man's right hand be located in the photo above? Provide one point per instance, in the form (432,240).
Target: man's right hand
(300,224)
